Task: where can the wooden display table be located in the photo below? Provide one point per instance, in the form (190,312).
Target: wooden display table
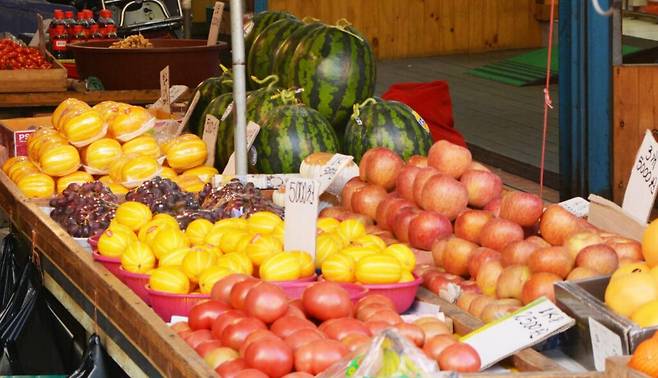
(17,100)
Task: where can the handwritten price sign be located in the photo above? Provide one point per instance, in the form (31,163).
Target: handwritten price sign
(331,169)
(641,190)
(302,201)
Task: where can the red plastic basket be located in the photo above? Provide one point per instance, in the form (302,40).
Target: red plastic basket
(402,294)
(136,281)
(110,263)
(167,304)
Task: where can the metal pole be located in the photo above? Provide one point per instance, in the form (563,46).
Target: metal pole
(239,90)
(187,18)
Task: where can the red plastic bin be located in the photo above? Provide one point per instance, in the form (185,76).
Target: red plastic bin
(136,281)
(167,304)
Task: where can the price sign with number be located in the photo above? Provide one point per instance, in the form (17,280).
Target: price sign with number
(165,96)
(524,328)
(641,190)
(216,20)
(210,129)
(331,169)
(577,206)
(302,201)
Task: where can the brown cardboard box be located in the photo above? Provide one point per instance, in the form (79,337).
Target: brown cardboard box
(14,133)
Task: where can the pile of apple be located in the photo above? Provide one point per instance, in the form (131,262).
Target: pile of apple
(250,328)
(490,246)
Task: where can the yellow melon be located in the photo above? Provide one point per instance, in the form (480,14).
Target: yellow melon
(168,240)
(66,110)
(280,267)
(138,258)
(78,177)
(133,214)
(204,173)
(101,154)
(37,185)
(306,264)
(327,224)
(338,268)
(114,241)
(173,258)
(372,241)
(263,222)
(325,246)
(378,269)
(197,230)
(196,261)
(403,254)
(351,229)
(169,279)
(11,161)
(168,218)
(60,160)
(167,172)
(84,128)
(21,168)
(117,188)
(186,153)
(189,183)
(261,247)
(139,169)
(210,276)
(131,122)
(143,145)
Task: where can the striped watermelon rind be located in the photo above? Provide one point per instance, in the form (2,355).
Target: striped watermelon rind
(260,61)
(336,69)
(288,135)
(208,90)
(284,54)
(390,124)
(259,22)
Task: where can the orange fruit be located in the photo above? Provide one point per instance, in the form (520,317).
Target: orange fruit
(650,244)
(645,357)
(628,292)
(646,315)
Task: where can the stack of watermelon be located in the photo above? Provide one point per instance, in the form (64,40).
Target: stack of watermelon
(322,73)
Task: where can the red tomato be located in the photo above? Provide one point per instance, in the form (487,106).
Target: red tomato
(374,298)
(317,356)
(376,327)
(251,373)
(435,345)
(206,346)
(271,356)
(286,325)
(298,375)
(460,357)
(302,337)
(236,333)
(355,341)
(221,290)
(337,329)
(366,311)
(266,302)
(231,368)
(293,310)
(239,293)
(185,334)
(388,316)
(204,314)
(180,327)
(256,335)
(326,300)
(412,332)
(226,319)
(197,337)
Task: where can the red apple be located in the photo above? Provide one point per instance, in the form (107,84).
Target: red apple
(498,233)
(449,158)
(465,299)
(482,187)
(427,227)
(478,305)
(402,221)
(599,258)
(444,195)
(469,224)
(443,281)
(418,161)
(539,284)
(488,275)
(458,253)
(480,256)
(435,345)
(394,209)
(538,241)
(333,212)
(581,273)
(381,215)
(469,286)
(518,252)
(625,248)
(557,224)
(404,184)
(366,200)
(522,208)
(366,220)
(438,251)
(511,281)
(494,206)
(461,358)
(495,311)
(350,187)
(477,166)
(218,356)
(554,260)
(421,179)
(576,242)
(380,166)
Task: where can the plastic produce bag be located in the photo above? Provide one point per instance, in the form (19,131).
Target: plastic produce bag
(94,362)
(390,355)
(9,273)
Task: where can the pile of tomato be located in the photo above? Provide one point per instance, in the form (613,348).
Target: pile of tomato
(13,56)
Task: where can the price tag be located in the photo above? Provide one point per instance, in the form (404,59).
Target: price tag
(524,328)
(228,110)
(577,206)
(302,201)
(605,343)
(252,133)
(188,113)
(331,169)
(165,97)
(210,129)
(216,20)
(641,190)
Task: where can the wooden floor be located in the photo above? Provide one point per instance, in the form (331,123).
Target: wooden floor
(502,123)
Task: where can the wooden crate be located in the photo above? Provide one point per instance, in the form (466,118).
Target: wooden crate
(617,367)
(20,81)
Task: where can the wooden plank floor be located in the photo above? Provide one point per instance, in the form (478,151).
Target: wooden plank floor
(495,117)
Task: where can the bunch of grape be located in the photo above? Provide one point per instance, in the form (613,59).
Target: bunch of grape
(84,210)
(163,196)
(235,200)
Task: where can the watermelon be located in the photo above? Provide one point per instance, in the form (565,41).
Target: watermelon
(259,105)
(259,23)
(283,55)
(261,55)
(391,124)
(208,90)
(217,107)
(336,68)
(288,135)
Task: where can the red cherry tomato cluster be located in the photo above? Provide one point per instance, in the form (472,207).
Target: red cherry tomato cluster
(16,57)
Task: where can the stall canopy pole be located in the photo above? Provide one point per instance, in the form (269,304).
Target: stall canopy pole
(239,88)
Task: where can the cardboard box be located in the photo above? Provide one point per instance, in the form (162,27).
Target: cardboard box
(14,133)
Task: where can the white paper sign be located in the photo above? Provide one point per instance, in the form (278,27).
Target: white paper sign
(524,328)
(216,20)
(252,133)
(605,343)
(641,190)
(260,181)
(210,129)
(165,97)
(188,113)
(302,201)
(331,169)
(577,206)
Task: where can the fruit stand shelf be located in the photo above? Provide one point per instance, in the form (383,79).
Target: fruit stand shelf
(15,100)
(135,336)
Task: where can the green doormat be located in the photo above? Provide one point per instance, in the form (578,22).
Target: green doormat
(527,68)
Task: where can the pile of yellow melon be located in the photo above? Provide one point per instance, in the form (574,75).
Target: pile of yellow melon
(346,253)
(110,141)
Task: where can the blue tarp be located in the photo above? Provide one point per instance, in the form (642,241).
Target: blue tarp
(19,16)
